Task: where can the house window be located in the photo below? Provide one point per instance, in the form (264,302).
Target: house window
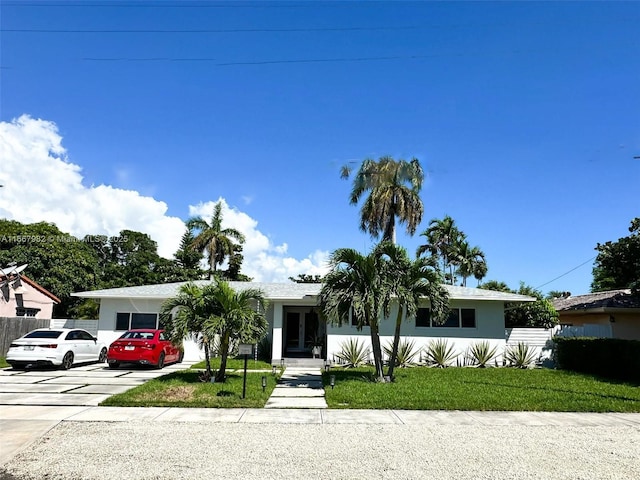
(459,318)
(423,317)
(131,321)
(468,318)
(26,312)
(453,321)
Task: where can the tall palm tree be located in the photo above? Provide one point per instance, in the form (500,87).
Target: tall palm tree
(184,316)
(442,238)
(239,316)
(410,281)
(469,261)
(394,191)
(356,286)
(217,242)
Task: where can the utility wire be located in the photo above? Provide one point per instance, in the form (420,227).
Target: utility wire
(566,273)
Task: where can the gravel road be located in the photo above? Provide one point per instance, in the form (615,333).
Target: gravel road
(159,450)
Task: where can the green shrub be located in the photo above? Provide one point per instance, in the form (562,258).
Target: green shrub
(406,353)
(520,356)
(481,353)
(440,354)
(264,349)
(607,357)
(352,353)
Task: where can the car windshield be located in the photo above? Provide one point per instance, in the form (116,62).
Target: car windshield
(138,335)
(43,334)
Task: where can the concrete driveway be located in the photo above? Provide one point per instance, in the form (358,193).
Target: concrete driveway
(84,385)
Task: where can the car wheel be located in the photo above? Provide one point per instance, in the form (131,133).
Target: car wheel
(67,361)
(114,365)
(161,360)
(180,357)
(103,356)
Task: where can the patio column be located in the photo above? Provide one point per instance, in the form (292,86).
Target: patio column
(276,339)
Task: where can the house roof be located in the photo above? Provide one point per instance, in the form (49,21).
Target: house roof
(36,286)
(283,291)
(598,300)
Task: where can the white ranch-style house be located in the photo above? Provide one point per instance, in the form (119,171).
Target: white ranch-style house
(294,324)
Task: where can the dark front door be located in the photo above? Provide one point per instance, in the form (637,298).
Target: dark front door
(293,332)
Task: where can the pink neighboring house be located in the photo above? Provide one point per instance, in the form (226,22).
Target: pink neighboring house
(28,300)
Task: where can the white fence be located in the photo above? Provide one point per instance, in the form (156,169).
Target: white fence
(90,326)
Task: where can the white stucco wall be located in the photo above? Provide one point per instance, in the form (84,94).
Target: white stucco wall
(489,327)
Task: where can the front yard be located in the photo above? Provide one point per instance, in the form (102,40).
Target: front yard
(481,389)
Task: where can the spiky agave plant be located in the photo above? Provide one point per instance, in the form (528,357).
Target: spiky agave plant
(406,353)
(520,356)
(481,353)
(353,353)
(439,353)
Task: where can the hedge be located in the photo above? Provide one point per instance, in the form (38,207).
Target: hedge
(607,357)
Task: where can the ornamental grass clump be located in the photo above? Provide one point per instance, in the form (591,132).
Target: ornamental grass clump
(353,353)
(406,353)
(480,354)
(520,356)
(440,354)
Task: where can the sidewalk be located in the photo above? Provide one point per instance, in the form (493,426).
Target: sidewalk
(298,387)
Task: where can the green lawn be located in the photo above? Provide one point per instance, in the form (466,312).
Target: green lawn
(235,363)
(3,363)
(481,389)
(184,389)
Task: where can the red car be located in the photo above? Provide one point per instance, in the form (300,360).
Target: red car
(145,347)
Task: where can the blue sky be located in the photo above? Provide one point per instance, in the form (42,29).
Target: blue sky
(525,117)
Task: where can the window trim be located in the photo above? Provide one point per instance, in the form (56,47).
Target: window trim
(131,314)
(459,326)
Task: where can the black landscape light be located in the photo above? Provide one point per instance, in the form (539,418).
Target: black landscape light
(273,369)
(332,381)
(327,366)
(264,382)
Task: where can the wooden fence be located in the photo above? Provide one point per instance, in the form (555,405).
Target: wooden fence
(14,327)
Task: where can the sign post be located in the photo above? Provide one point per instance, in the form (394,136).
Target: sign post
(245,349)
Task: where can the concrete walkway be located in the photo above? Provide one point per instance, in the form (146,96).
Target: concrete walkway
(298,387)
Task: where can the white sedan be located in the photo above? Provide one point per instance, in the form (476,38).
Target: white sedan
(62,347)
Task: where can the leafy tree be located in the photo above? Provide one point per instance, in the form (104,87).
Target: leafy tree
(469,261)
(187,258)
(394,191)
(239,316)
(540,313)
(59,262)
(217,242)
(356,286)
(617,265)
(232,272)
(184,316)
(410,281)
(442,235)
(306,278)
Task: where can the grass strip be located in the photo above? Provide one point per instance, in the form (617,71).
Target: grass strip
(424,388)
(184,389)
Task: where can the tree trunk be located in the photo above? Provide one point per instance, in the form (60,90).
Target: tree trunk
(377,350)
(224,347)
(396,344)
(207,358)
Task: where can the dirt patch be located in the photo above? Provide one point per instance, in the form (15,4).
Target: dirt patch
(179,393)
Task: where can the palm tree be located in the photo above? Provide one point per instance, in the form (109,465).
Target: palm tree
(442,237)
(239,316)
(394,191)
(217,242)
(356,287)
(469,261)
(412,280)
(184,316)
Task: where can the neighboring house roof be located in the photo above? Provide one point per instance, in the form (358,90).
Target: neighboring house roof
(284,291)
(612,299)
(39,288)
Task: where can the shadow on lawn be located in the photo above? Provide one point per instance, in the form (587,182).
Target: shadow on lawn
(547,388)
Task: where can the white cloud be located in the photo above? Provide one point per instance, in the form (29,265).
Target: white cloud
(35,167)
(263,261)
